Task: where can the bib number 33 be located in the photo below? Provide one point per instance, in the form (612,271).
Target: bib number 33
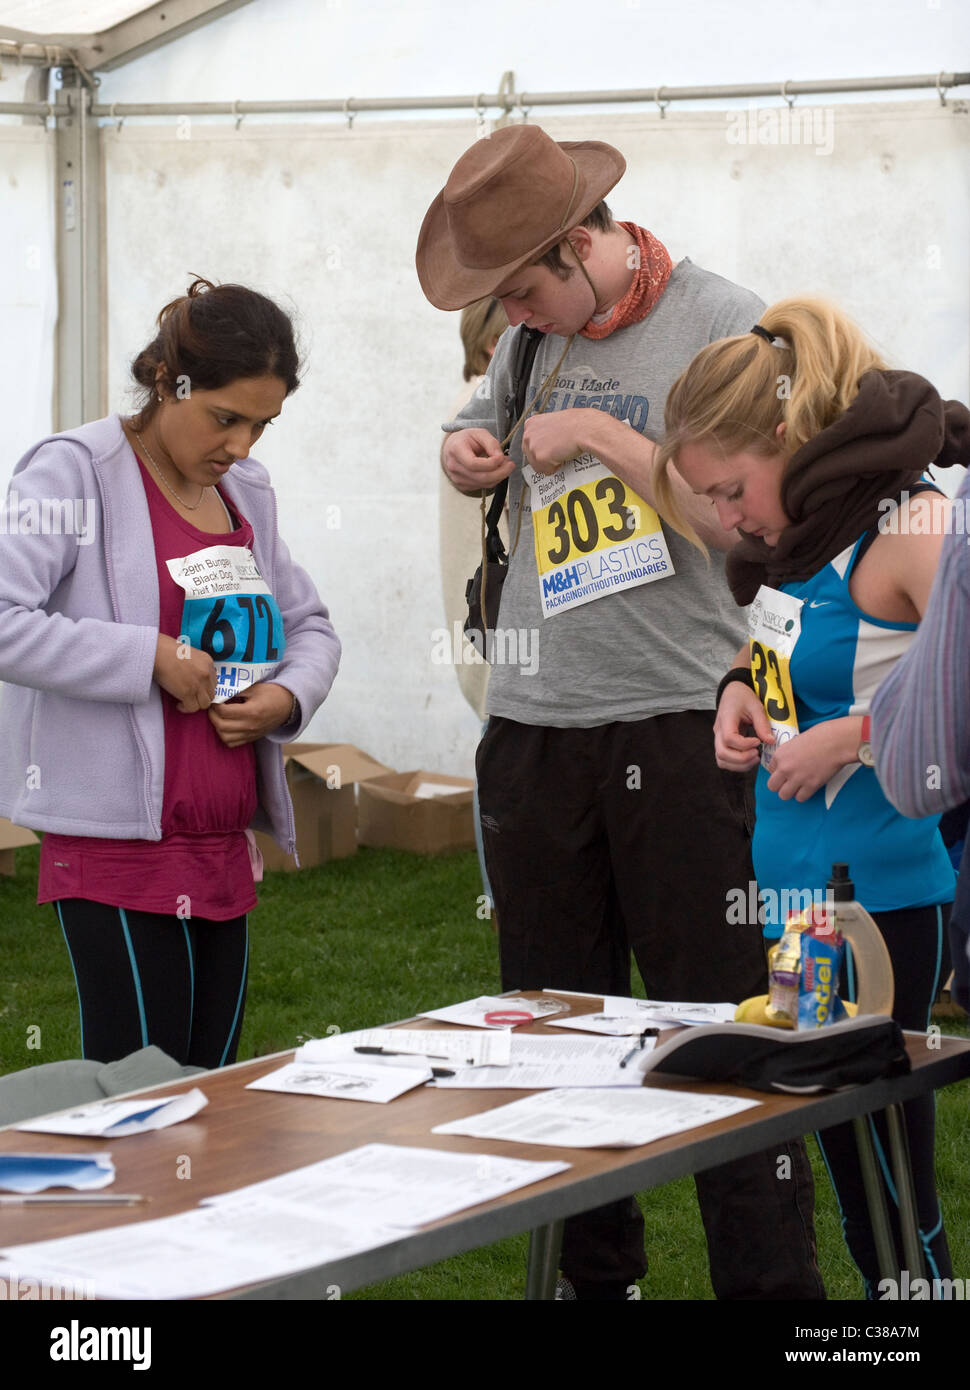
(772,683)
(774,626)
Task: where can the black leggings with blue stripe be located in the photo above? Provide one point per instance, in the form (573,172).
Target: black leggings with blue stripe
(917,943)
(144,978)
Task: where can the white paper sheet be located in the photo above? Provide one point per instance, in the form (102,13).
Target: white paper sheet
(425,789)
(608,1025)
(538,1063)
(656,1010)
(114,1119)
(378,1080)
(396,1185)
(597,1119)
(202,1251)
(471,1013)
(485,1048)
(368,1197)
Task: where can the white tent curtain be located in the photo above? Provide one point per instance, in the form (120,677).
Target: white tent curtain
(868,204)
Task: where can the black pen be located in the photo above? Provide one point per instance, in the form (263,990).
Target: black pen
(386,1052)
(638,1046)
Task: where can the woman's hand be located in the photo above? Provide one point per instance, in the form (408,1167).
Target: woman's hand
(187,674)
(247,717)
(799,767)
(739,712)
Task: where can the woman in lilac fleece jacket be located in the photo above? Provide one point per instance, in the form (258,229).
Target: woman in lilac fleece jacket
(117,743)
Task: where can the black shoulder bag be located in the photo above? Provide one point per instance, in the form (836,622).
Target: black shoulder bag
(483,592)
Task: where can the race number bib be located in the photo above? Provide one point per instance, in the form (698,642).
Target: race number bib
(593,535)
(230,613)
(774,626)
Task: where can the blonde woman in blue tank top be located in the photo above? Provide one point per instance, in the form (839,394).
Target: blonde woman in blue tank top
(815,452)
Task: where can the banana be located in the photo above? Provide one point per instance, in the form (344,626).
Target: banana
(755,1010)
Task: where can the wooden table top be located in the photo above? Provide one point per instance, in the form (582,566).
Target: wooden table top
(244,1136)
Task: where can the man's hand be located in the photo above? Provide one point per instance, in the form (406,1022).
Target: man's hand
(549,441)
(799,767)
(473,461)
(553,439)
(187,674)
(258,711)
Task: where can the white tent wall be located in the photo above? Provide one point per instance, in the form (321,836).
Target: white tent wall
(872,210)
(28,286)
(377,48)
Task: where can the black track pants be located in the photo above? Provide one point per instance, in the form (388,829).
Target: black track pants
(143,978)
(628,836)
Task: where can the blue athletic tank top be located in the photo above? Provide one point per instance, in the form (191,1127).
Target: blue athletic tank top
(840,658)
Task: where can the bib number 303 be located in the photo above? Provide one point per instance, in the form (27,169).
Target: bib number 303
(593,536)
(581,520)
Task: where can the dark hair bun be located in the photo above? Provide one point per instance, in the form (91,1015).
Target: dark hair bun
(214,335)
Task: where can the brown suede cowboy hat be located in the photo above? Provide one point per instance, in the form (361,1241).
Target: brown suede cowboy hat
(509,198)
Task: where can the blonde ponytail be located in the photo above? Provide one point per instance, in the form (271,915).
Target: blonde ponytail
(736,392)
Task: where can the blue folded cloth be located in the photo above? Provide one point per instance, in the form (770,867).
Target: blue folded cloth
(26,1173)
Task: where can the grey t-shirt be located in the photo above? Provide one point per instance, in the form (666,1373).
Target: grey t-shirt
(655,649)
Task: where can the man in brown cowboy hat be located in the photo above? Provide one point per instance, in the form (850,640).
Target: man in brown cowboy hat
(607,824)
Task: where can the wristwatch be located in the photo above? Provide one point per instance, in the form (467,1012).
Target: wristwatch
(865,747)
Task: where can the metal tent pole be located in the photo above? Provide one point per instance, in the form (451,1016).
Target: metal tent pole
(79,385)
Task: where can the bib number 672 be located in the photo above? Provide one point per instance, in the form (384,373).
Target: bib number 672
(220,637)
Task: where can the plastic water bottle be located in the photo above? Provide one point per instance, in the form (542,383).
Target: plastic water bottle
(874,969)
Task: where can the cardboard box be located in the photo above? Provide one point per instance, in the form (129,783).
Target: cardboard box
(321,778)
(404,811)
(12,837)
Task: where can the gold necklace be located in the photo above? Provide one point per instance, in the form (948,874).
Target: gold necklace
(189,506)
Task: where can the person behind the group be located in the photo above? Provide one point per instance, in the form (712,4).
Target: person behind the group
(921,720)
(481,326)
(112,745)
(606,823)
(797,435)
(460,527)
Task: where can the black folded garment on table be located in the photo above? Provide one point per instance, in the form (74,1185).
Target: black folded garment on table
(840,1055)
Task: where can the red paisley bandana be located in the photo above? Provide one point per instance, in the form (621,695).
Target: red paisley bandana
(653,267)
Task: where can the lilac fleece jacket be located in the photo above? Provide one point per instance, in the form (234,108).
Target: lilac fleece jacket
(83,744)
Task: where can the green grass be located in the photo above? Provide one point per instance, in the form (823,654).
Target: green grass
(382,936)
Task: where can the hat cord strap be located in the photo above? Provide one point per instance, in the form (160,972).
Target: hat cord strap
(539,402)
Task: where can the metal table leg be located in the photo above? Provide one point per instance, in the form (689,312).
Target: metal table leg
(876,1202)
(905,1191)
(545,1243)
